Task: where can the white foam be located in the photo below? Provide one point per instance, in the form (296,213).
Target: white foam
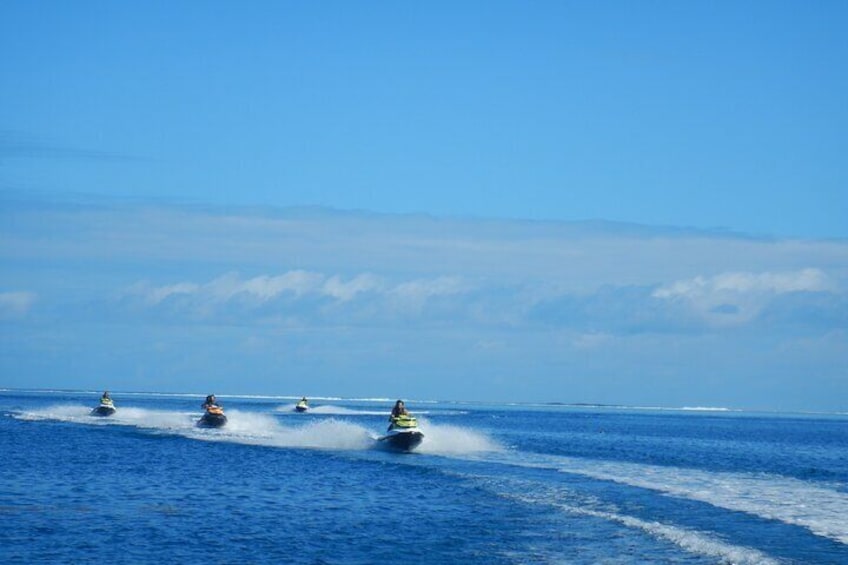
(453,440)
(241,423)
(820,509)
(261,429)
(697,542)
(788,500)
(153,419)
(62,413)
(331,410)
(326,434)
(265,429)
(692,541)
(127,416)
(689,540)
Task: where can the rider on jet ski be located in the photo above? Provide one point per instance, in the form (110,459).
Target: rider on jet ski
(211,403)
(399,412)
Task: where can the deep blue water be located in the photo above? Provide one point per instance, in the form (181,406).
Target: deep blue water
(490,484)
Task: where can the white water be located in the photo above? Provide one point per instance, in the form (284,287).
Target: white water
(689,540)
(821,510)
(255,428)
(330,410)
(692,541)
(453,440)
(817,508)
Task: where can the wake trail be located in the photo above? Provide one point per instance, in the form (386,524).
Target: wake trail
(268,429)
(450,440)
(330,410)
(692,541)
(816,507)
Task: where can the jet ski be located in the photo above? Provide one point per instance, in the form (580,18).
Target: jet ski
(302,406)
(403,434)
(105,409)
(212,418)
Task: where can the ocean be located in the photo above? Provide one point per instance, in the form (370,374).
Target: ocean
(491,483)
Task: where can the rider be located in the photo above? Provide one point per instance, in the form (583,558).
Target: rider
(106,399)
(398,411)
(210,403)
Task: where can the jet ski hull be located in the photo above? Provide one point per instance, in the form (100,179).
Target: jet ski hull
(300,408)
(402,440)
(103,410)
(212,421)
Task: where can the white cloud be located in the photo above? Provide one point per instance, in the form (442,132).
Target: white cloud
(413,295)
(425,288)
(296,282)
(16,303)
(344,291)
(228,286)
(807,296)
(223,288)
(810,280)
(300,284)
(444,296)
(157,295)
(736,297)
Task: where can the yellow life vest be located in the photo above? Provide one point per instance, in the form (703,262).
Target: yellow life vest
(404,421)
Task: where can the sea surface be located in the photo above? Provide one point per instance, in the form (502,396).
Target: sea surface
(490,484)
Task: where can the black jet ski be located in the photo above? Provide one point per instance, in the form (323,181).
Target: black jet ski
(105,409)
(213,418)
(302,406)
(403,434)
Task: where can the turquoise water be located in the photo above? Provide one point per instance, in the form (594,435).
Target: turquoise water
(490,484)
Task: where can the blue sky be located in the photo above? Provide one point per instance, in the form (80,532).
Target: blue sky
(613,202)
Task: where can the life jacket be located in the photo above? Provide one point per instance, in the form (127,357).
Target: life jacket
(404,421)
